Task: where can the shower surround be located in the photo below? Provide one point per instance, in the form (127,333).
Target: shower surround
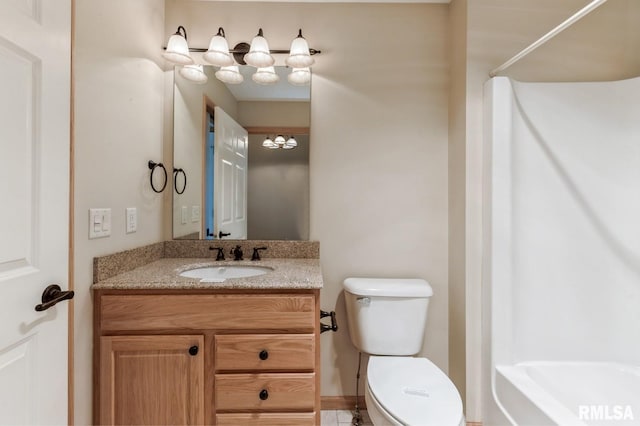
(561,272)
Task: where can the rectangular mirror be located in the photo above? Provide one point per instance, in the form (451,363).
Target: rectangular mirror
(265,194)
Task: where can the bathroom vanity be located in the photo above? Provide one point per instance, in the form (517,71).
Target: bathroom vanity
(174,350)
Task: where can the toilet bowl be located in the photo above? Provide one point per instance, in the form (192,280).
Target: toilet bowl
(410,391)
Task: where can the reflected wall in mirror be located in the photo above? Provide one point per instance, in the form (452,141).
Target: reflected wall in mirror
(277,180)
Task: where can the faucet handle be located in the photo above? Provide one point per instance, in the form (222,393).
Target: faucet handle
(220,255)
(256,253)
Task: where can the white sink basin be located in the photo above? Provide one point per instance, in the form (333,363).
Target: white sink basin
(217,274)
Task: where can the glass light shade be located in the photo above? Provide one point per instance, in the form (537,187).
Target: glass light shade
(194,73)
(178,50)
(265,76)
(268,143)
(299,76)
(288,146)
(291,143)
(259,55)
(229,75)
(299,56)
(218,53)
(279,140)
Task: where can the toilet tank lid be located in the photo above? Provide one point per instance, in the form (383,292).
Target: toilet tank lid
(389,287)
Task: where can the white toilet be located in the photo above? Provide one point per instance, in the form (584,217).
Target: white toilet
(387,319)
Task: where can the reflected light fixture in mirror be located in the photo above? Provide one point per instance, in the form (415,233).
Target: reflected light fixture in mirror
(265,76)
(178,48)
(194,73)
(299,76)
(280,142)
(229,75)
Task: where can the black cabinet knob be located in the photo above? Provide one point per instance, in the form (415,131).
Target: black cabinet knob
(264,394)
(264,354)
(193,350)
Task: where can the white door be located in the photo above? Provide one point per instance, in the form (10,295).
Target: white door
(231,155)
(34,208)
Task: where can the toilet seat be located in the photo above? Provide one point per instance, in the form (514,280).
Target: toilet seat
(414,391)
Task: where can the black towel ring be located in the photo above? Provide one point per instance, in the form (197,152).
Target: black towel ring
(152,167)
(176,172)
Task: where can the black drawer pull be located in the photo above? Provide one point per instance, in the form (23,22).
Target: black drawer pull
(193,350)
(264,394)
(264,354)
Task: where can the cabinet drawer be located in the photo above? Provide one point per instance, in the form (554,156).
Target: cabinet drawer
(265,352)
(207,312)
(266,419)
(280,391)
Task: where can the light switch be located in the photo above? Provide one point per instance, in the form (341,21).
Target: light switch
(132,219)
(185,215)
(99,223)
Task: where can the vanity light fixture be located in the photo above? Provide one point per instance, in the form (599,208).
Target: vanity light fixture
(299,55)
(194,73)
(178,48)
(259,55)
(280,142)
(256,54)
(218,52)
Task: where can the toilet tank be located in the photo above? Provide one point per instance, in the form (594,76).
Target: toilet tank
(387,316)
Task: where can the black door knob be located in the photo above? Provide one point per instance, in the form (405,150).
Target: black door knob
(264,394)
(264,354)
(193,350)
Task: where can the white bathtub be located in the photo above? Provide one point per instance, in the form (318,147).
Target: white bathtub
(569,393)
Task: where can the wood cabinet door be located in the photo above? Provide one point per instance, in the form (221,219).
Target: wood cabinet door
(152,380)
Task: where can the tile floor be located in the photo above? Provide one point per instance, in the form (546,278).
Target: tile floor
(342,418)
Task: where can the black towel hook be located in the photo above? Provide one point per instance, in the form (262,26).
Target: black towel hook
(152,166)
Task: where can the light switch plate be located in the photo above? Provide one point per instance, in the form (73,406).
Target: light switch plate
(195,213)
(132,219)
(99,223)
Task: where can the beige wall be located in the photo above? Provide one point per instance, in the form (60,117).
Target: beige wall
(118,129)
(456,175)
(278,191)
(278,181)
(378,161)
(270,114)
(602,46)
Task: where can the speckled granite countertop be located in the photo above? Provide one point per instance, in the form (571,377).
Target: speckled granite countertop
(164,274)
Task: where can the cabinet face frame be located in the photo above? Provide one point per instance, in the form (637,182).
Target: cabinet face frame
(209,341)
